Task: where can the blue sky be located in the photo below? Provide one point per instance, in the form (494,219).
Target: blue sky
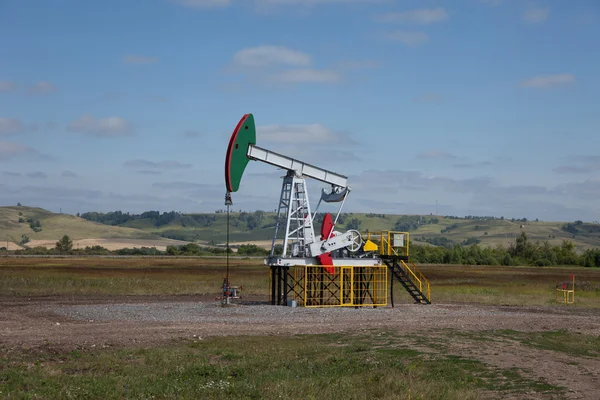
(489,107)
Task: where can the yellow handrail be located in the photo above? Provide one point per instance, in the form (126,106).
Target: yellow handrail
(387,242)
(420,279)
(396,243)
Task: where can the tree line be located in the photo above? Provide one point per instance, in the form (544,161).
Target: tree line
(119,218)
(521,251)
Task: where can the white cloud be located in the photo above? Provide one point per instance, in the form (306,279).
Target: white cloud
(299,134)
(581,164)
(320,1)
(435,154)
(5,86)
(104,127)
(474,165)
(588,189)
(547,81)
(11,173)
(37,175)
(202,3)
(9,150)
(46,126)
(266,55)
(280,64)
(181,185)
(306,75)
(43,87)
(408,38)
(69,174)
(536,15)
(10,126)
(572,169)
(133,59)
(421,16)
(167,164)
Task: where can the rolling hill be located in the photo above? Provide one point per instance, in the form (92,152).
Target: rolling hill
(116,230)
(257,227)
(44,228)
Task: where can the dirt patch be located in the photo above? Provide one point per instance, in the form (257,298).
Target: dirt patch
(11,246)
(580,375)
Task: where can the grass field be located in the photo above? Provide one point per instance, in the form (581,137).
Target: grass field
(148,276)
(354,364)
(376,364)
(23,277)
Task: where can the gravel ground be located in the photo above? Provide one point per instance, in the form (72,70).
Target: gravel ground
(67,323)
(414,316)
(71,321)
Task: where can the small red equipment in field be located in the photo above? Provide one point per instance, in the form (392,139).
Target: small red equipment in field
(229,292)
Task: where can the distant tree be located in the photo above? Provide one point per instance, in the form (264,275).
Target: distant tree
(354,224)
(24,239)
(570,228)
(18,204)
(252,250)
(65,244)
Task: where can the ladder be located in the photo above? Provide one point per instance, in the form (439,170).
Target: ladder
(410,278)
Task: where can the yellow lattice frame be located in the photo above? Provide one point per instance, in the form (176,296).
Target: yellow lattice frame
(347,286)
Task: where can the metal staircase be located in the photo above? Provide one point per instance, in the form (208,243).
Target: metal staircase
(410,278)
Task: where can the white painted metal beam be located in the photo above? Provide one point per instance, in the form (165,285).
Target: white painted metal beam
(301,168)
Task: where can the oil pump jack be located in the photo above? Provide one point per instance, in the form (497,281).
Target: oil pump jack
(333,267)
(295,219)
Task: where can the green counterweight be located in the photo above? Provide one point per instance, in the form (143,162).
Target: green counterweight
(236,159)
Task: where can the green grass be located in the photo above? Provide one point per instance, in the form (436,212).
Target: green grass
(41,277)
(332,366)
(511,286)
(573,344)
(54,226)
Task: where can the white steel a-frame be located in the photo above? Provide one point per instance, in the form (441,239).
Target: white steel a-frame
(294,212)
